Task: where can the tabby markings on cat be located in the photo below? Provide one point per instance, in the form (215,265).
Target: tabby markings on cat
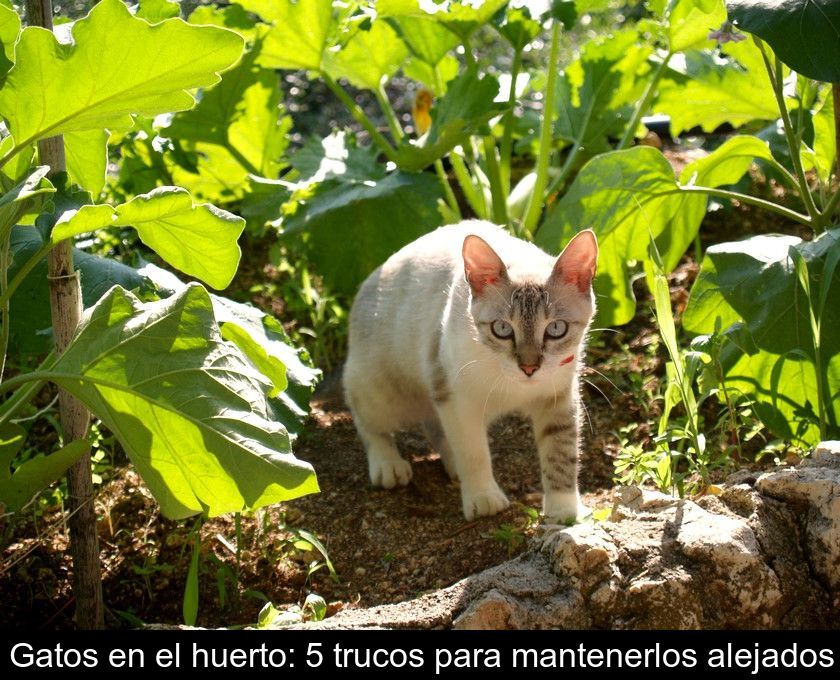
(458,328)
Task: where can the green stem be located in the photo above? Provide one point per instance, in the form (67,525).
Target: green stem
(535,205)
(507,135)
(644,103)
(833,204)
(558,182)
(818,369)
(390,115)
(451,201)
(775,76)
(361,117)
(474,196)
(23,272)
(31,387)
(494,175)
(4,307)
(750,200)
(468,54)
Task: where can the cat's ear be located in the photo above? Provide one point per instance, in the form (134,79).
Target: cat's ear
(576,264)
(481,264)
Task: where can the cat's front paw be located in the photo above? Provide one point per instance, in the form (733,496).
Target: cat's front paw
(484,502)
(563,507)
(390,473)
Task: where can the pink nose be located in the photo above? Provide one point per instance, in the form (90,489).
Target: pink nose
(529,369)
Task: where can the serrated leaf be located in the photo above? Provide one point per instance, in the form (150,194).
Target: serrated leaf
(468,104)
(703,90)
(158,10)
(336,156)
(118,65)
(243,114)
(691,21)
(233,17)
(755,281)
(369,58)
(427,40)
(198,239)
(804,34)
(35,474)
(299,33)
(379,217)
(191,414)
(518,26)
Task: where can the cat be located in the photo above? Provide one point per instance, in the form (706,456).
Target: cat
(458,328)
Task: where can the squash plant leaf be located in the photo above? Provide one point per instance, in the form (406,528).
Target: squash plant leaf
(191,413)
(118,66)
(627,197)
(369,58)
(87,159)
(9,31)
(754,282)
(17,488)
(199,239)
(804,34)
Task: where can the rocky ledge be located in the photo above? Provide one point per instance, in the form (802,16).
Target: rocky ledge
(764,552)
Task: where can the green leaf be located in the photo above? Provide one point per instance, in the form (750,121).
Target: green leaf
(369,58)
(190,604)
(27,196)
(158,10)
(233,17)
(755,282)
(629,196)
(825,140)
(426,39)
(35,474)
(702,90)
(804,34)
(466,107)
(378,218)
(9,31)
(337,156)
(118,65)
(243,114)
(189,411)
(198,239)
(87,159)
(462,19)
(299,34)
(268,365)
(518,26)
(691,21)
(315,607)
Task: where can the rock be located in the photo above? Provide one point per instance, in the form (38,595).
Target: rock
(763,553)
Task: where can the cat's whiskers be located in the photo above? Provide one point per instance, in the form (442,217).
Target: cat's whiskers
(464,367)
(614,386)
(592,384)
(586,413)
(499,376)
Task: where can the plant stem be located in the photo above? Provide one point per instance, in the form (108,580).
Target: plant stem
(4,306)
(451,200)
(469,57)
(473,195)
(558,182)
(535,205)
(775,76)
(833,204)
(66,309)
(835,95)
(644,103)
(497,192)
(506,147)
(361,117)
(751,200)
(23,272)
(390,115)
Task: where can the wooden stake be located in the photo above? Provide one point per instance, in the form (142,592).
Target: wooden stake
(66,308)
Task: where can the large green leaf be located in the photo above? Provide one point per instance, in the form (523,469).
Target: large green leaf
(25,197)
(597,92)
(242,114)
(469,102)
(628,196)
(427,39)
(460,18)
(805,34)
(337,156)
(118,65)
(198,239)
(190,412)
(87,159)
(369,58)
(354,227)
(691,21)
(9,31)
(35,474)
(299,34)
(158,10)
(703,90)
(754,282)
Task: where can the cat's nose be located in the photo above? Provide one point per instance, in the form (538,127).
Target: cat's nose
(529,369)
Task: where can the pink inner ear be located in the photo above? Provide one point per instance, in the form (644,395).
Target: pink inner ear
(576,264)
(482,265)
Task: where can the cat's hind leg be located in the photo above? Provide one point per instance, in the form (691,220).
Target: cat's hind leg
(436,437)
(375,423)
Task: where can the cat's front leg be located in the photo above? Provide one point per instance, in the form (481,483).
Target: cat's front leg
(556,433)
(465,430)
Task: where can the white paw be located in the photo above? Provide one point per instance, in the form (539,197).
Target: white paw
(390,472)
(564,507)
(449,466)
(484,502)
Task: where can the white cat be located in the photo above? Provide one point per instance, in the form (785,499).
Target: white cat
(462,326)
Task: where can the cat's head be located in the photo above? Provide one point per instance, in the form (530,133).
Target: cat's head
(538,325)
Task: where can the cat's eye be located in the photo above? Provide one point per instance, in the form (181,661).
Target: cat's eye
(502,329)
(556,330)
